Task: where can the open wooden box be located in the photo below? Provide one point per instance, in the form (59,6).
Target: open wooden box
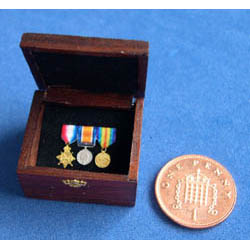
(84,81)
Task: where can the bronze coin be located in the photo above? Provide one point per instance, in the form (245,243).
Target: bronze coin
(195,191)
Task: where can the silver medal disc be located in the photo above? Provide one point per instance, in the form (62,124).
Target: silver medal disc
(84,157)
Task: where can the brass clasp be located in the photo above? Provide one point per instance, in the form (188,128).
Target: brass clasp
(75,183)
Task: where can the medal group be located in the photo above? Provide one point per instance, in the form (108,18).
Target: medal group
(86,137)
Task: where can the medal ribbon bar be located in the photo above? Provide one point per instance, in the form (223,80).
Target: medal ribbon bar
(69,133)
(86,136)
(106,136)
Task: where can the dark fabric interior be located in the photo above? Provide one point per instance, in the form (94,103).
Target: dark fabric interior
(51,143)
(92,73)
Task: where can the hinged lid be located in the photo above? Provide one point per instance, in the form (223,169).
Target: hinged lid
(92,64)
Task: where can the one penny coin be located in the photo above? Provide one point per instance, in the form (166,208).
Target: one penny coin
(195,191)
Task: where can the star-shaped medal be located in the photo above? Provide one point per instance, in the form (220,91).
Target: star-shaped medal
(66,157)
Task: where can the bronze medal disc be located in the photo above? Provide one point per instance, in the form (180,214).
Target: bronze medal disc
(195,191)
(102,160)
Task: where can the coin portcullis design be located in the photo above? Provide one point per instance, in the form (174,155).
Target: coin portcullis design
(195,191)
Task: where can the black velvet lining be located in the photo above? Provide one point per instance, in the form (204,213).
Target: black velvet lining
(51,143)
(106,74)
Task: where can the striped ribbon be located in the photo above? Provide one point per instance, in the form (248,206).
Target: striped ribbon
(105,136)
(69,133)
(86,136)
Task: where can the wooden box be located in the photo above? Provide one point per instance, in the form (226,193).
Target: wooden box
(86,81)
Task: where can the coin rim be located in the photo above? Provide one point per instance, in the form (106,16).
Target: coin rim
(175,218)
(85,149)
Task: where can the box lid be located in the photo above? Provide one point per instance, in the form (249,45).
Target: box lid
(92,64)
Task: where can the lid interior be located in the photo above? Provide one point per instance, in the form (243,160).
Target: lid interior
(92,73)
(92,64)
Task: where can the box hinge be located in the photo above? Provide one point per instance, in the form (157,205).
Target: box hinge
(133,101)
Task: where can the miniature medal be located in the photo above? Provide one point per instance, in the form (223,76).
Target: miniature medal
(68,135)
(105,137)
(86,138)
(66,157)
